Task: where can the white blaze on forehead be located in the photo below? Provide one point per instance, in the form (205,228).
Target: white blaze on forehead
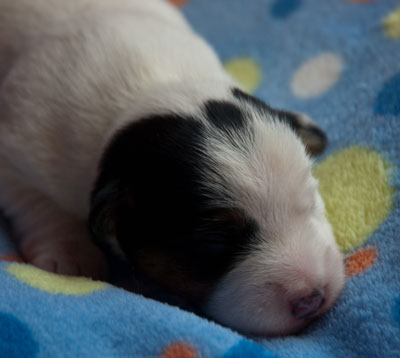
(263,168)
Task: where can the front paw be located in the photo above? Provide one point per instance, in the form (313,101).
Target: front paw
(68,258)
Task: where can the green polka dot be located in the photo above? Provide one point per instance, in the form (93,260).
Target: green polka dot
(354,184)
(53,283)
(391,24)
(245,71)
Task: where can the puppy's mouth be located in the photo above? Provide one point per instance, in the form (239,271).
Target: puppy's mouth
(308,306)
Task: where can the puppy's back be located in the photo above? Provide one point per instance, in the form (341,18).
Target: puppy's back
(25,21)
(68,70)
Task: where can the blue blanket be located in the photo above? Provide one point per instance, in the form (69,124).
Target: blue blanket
(339,62)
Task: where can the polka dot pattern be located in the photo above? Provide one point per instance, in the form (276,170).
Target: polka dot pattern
(245,71)
(354,184)
(179,350)
(361,1)
(247,348)
(316,76)
(178,3)
(360,261)
(11,258)
(396,310)
(391,24)
(52,283)
(281,9)
(16,339)
(388,100)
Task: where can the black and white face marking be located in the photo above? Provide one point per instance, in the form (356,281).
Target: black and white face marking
(225,116)
(151,196)
(207,190)
(313,138)
(221,208)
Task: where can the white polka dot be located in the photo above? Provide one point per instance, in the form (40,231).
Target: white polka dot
(316,76)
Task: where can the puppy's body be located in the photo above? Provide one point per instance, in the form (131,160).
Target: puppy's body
(121,100)
(78,77)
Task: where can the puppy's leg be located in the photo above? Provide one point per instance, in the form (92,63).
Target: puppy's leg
(48,237)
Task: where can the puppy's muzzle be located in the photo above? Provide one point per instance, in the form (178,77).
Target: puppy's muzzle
(306,307)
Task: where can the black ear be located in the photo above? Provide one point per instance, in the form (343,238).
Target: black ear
(112,212)
(102,218)
(148,181)
(314,139)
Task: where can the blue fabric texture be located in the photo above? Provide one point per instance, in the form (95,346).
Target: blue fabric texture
(355,98)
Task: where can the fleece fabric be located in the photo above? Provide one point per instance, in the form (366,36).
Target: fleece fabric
(337,61)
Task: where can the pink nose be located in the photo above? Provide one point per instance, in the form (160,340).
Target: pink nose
(307,306)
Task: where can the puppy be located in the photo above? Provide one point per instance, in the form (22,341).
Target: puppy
(119,124)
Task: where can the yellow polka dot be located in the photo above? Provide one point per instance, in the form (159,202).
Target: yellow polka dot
(391,24)
(354,184)
(316,76)
(50,282)
(245,71)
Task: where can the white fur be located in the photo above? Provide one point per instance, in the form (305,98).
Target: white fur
(74,72)
(297,252)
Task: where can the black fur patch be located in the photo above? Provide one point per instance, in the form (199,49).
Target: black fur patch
(284,116)
(150,194)
(225,115)
(254,101)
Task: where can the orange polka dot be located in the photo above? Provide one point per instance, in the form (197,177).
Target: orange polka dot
(178,3)
(360,261)
(11,258)
(179,350)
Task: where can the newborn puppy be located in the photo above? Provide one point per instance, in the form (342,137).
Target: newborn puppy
(114,113)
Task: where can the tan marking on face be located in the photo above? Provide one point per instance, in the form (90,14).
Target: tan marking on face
(160,267)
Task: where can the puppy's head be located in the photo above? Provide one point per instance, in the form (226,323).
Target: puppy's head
(221,207)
